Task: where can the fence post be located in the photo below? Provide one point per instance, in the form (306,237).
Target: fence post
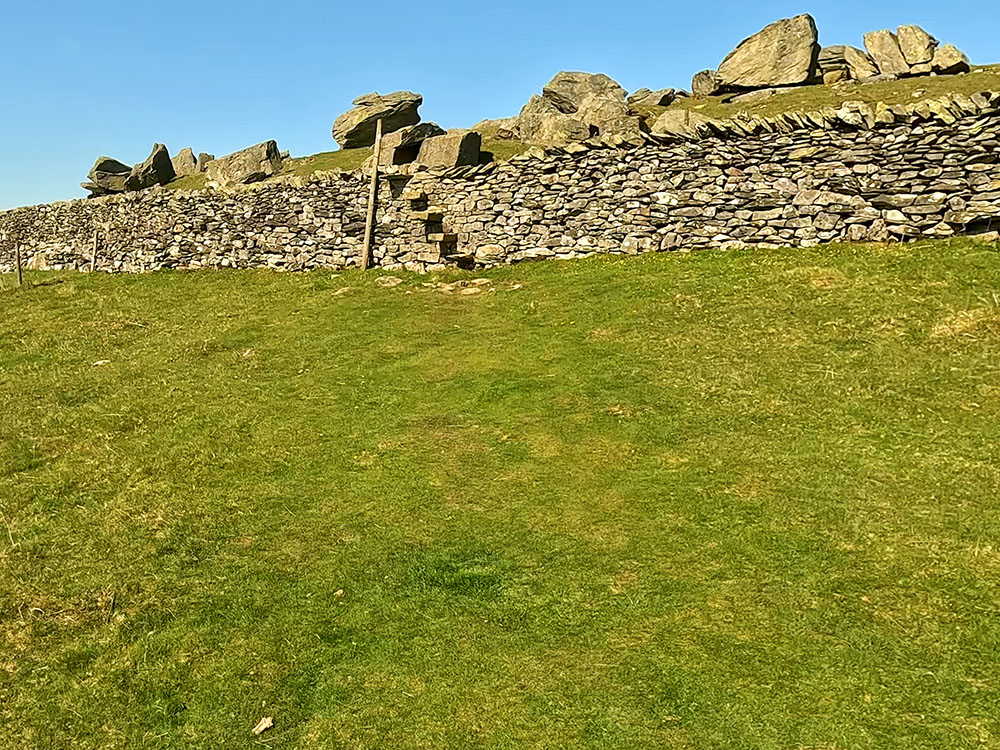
(17,263)
(366,252)
(93,254)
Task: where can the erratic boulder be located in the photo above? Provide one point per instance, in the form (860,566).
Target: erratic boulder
(543,123)
(203,160)
(356,127)
(402,146)
(916,45)
(568,90)
(456,148)
(185,163)
(949,60)
(883,46)
(648,98)
(156,170)
(707,83)
(860,65)
(785,53)
(107,177)
(243,167)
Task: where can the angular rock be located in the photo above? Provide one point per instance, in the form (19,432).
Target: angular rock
(949,60)
(203,160)
(541,122)
(455,148)
(680,122)
(916,45)
(883,46)
(831,77)
(248,165)
(402,146)
(785,53)
(832,58)
(107,176)
(707,83)
(356,127)
(156,170)
(503,128)
(647,98)
(567,90)
(608,115)
(185,163)
(860,65)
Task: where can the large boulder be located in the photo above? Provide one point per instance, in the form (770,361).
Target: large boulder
(679,122)
(356,127)
(568,90)
(832,59)
(883,46)
(503,128)
(402,146)
(185,162)
(605,115)
(107,177)
(648,98)
(949,60)
(785,53)
(916,45)
(156,170)
(860,65)
(456,148)
(243,167)
(541,122)
(203,160)
(707,83)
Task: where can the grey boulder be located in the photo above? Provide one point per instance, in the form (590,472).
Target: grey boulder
(648,98)
(883,46)
(916,45)
(707,83)
(860,65)
(248,165)
(567,90)
(785,53)
(203,160)
(456,148)
(949,60)
(156,170)
(185,162)
(541,122)
(356,127)
(403,146)
(107,177)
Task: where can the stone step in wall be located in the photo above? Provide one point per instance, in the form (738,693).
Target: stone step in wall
(765,184)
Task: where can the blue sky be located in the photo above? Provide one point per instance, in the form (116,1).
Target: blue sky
(78,80)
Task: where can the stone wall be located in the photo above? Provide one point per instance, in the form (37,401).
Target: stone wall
(795,181)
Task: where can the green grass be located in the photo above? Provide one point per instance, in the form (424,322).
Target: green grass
(811,98)
(710,500)
(346,160)
(188,182)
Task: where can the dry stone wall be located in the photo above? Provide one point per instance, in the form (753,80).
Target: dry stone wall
(930,175)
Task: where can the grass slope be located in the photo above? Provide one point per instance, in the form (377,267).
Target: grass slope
(715,500)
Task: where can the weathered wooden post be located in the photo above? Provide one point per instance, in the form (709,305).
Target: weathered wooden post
(17,263)
(366,252)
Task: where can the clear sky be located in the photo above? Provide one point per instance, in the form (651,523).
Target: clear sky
(79,80)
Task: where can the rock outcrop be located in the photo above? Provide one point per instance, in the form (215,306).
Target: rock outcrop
(883,47)
(185,163)
(707,83)
(785,53)
(156,170)
(860,65)
(356,127)
(949,60)
(248,165)
(203,160)
(575,106)
(107,177)
(648,98)
(916,45)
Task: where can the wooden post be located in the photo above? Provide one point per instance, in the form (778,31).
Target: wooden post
(17,263)
(366,253)
(93,254)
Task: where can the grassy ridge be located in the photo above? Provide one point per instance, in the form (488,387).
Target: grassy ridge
(700,501)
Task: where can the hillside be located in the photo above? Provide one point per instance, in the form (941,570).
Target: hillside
(748,500)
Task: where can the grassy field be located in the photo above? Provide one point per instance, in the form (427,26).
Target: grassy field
(710,500)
